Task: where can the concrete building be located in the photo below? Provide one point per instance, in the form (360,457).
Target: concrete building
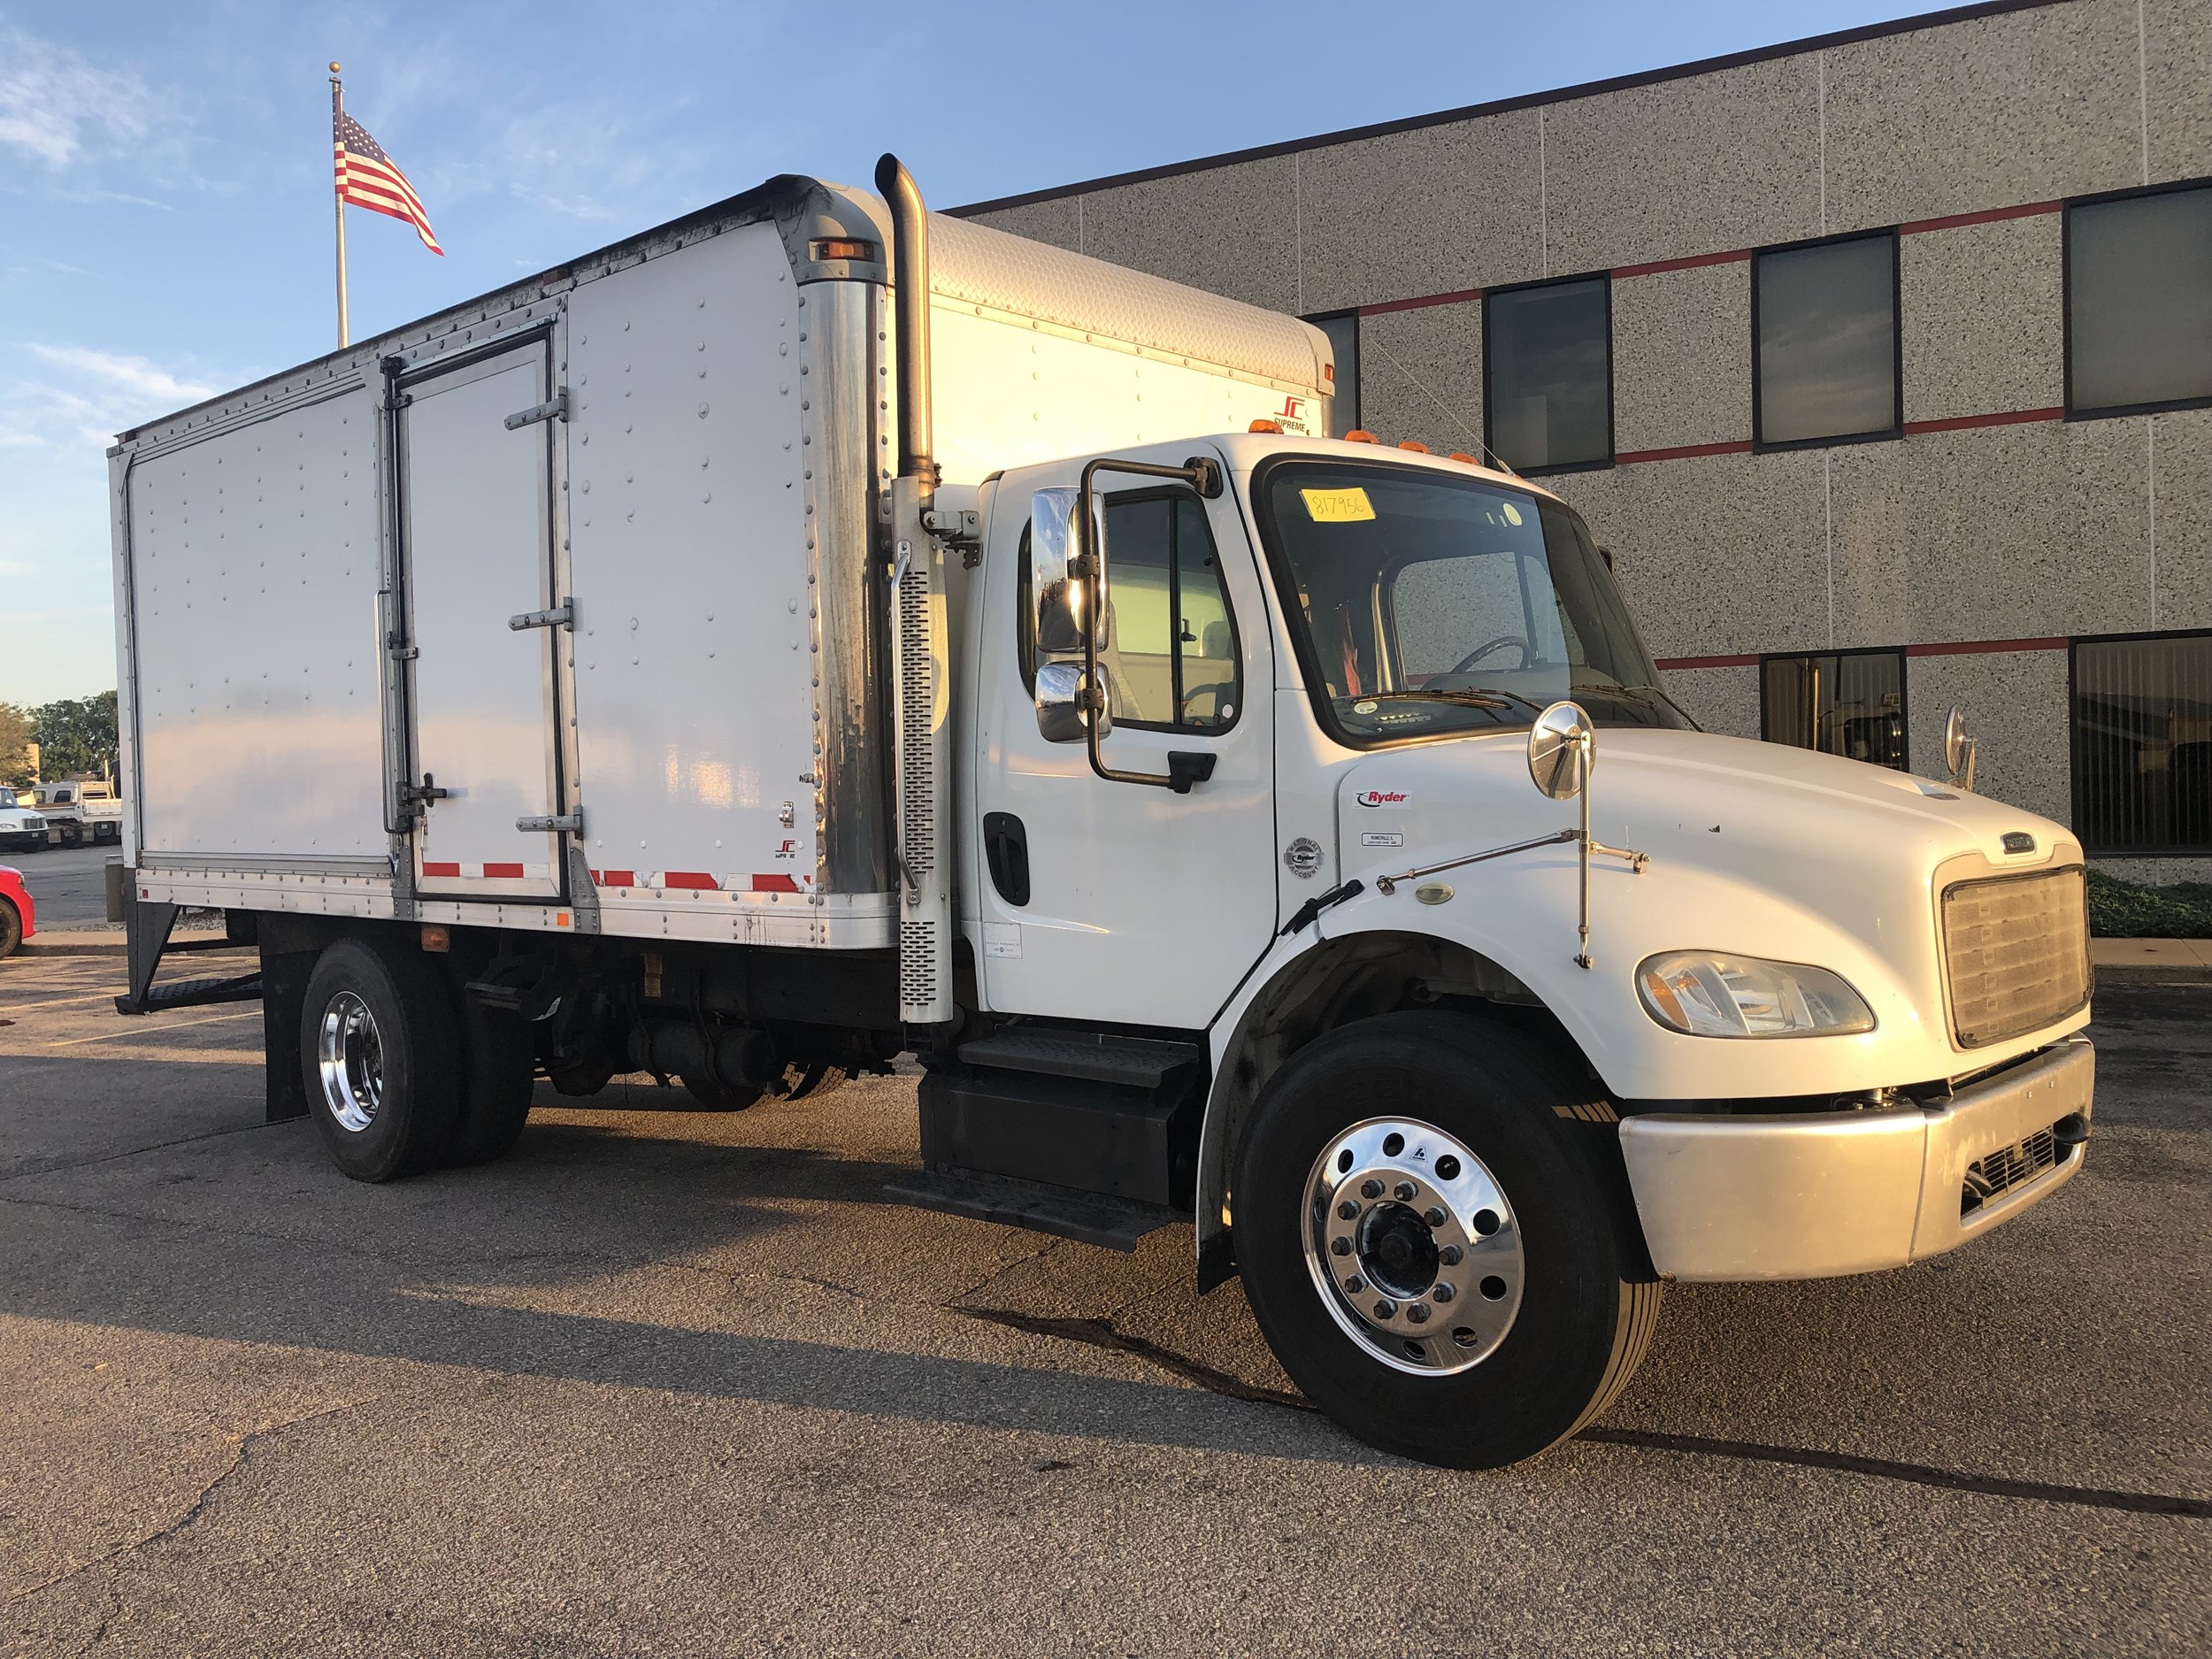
(1882,361)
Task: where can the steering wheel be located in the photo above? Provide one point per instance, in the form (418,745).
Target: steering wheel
(1481,651)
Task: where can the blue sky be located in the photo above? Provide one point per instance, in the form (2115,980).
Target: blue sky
(165,169)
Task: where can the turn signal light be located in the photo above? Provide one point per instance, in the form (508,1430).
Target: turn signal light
(1359,435)
(1265,426)
(1462,455)
(1415,445)
(436,939)
(840,248)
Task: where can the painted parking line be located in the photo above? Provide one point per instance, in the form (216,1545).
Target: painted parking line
(140,1031)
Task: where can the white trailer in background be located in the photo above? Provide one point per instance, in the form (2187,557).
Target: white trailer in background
(815,629)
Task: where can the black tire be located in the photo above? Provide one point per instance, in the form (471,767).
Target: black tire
(711,1097)
(417,1054)
(1588,1303)
(815,1077)
(11,928)
(499,1064)
(71,835)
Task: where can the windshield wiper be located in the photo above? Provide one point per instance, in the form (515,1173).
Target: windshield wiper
(1494,697)
(1630,693)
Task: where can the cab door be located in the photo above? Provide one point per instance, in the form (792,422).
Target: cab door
(476,534)
(1112,901)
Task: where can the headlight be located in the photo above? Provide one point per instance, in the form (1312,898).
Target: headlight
(1705,996)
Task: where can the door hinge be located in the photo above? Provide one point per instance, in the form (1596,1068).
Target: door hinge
(554,407)
(562,615)
(404,653)
(570,821)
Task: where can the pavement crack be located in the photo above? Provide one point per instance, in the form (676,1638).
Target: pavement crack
(997,1273)
(241,1450)
(1100,1333)
(1918,1474)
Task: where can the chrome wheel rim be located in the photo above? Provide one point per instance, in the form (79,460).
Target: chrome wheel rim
(1413,1247)
(350,1055)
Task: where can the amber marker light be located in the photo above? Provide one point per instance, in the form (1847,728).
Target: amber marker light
(436,939)
(1415,445)
(1462,455)
(841,248)
(1359,435)
(1265,426)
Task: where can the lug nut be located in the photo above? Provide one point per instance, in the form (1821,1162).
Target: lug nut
(1385,1308)
(1347,1210)
(1449,1255)
(1340,1247)
(1405,1192)
(1355,1284)
(1433,1216)
(1444,1291)
(1371,1189)
(1418,1313)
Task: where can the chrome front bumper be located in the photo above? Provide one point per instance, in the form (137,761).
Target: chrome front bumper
(1829,1193)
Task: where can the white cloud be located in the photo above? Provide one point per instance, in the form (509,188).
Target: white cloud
(135,377)
(60,109)
(89,397)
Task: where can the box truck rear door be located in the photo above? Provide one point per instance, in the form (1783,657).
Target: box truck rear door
(477,532)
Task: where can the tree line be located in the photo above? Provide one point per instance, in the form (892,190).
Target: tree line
(73,735)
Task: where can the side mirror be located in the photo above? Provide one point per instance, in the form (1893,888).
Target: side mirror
(1958,752)
(1052,582)
(1561,749)
(1062,717)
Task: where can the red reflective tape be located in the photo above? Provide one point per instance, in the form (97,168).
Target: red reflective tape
(696,881)
(503,873)
(1688,452)
(774,884)
(1708,662)
(1459,298)
(1961,423)
(1988,216)
(1733,257)
(617,878)
(430,869)
(1981,648)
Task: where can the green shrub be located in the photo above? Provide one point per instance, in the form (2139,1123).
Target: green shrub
(2121,909)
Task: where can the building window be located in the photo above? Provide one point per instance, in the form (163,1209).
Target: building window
(1824,325)
(1847,702)
(1342,328)
(2143,744)
(2139,302)
(1547,374)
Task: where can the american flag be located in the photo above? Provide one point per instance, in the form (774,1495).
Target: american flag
(369,177)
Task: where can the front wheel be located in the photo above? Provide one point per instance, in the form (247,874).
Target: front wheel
(11,928)
(1437,1239)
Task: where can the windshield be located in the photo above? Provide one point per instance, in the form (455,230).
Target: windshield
(1429,604)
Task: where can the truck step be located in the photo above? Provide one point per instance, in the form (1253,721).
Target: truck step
(1132,1062)
(1117,1223)
(246,988)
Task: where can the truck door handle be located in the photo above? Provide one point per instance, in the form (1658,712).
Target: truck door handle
(1006,850)
(1187,766)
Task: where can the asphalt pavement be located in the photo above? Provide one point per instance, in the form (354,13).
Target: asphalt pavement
(666,1382)
(68,884)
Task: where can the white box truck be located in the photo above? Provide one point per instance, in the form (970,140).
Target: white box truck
(817,630)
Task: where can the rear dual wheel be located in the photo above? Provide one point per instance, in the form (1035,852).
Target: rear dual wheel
(402,1071)
(1438,1241)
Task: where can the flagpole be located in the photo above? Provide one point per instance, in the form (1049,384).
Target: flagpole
(337,112)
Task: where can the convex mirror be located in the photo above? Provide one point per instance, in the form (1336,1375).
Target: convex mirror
(1060,597)
(1561,749)
(1958,751)
(1061,715)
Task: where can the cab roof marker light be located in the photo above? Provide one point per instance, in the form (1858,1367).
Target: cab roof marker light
(1359,435)
(1265,426)
(1414,445)
(1462,455)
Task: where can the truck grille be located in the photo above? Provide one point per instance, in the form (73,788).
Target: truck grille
(1991,1177)
(2016,951)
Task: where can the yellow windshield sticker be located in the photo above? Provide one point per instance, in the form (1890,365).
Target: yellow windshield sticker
(1337,506)
(1512,513)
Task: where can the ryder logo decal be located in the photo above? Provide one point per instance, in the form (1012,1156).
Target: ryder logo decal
(1383,800)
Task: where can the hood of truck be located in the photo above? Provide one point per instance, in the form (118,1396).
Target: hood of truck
(1754,850)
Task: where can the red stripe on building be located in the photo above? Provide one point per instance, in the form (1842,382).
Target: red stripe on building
(1735,256)
(1979,648)
(1460,298)
(1963,423)
(774,884)
(691,880)
(503,873)
(2027,209)
(1688,452)
(429,869)
(1672,663)
(615,878)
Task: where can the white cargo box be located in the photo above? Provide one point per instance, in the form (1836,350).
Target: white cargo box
(569,608)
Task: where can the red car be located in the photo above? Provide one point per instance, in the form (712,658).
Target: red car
(18,916)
